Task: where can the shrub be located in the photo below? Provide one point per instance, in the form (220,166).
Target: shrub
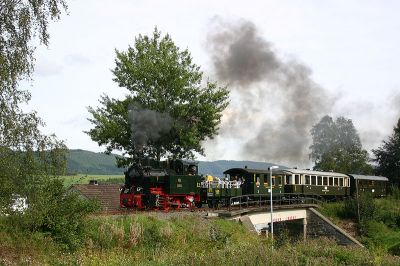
(363,209)
(395,249)
(55,211)
(394,192)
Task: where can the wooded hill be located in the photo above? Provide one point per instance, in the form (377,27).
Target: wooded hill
(87,162)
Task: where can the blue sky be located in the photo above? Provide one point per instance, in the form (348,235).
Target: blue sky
(352,48)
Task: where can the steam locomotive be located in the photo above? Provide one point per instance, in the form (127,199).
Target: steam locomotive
(176,184)
(162,185)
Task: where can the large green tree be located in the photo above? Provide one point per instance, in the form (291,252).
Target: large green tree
(388,156)
(30,161)
(337,146)
(21,21)
(168,111)
(27,157)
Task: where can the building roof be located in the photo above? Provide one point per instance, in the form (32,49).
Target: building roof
(369,177)
(107,195)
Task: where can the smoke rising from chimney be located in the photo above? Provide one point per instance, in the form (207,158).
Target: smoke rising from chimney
(147,125)
(276,100)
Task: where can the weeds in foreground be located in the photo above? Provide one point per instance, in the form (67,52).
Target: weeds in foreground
(148,239)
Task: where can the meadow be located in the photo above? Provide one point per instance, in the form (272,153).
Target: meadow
(179,239)
(84,179)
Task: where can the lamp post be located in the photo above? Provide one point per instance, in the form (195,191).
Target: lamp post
(271,208)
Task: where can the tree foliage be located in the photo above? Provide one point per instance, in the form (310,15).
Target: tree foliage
(30,161)
(26,155)
(337,146)
(20,23)
(168,111)
(388,156)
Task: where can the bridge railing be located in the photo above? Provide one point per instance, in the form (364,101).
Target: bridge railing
(259,200)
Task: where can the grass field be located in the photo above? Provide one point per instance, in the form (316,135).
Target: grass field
(84,179)
(180,239)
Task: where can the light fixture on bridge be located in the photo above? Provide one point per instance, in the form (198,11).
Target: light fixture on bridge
(271,207)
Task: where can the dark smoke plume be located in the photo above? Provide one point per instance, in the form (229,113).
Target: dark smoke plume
(276,101)
(147,125)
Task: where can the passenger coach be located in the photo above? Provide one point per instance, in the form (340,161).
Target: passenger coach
(255,181)
(375,185)
(326,184)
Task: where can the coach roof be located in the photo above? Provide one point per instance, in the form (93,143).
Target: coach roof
(246,171)
(308,172)
(369,177)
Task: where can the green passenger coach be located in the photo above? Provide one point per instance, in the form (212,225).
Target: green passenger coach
(255,181)
(326,184)
(362,184)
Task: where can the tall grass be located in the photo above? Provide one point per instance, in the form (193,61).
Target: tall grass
(185,239)
(380,220)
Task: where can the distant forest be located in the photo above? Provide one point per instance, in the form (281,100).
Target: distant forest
(87,162)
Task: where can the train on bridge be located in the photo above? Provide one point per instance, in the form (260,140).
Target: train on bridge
(176,184)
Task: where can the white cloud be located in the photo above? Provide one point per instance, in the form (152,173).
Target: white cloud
(77,59)
(46,67)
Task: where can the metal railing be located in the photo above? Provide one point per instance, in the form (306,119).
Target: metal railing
(259,200)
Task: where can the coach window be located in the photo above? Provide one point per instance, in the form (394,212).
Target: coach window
(313,180)
(335,181)
(325,179)
(288,179)
(279,180)
(319,180)
(297,179)
(331,181)
(266,180)
(341,182)
(308,182)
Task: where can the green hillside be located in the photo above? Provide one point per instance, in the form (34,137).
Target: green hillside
(97,163)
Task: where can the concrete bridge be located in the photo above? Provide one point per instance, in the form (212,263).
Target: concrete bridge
(303,219)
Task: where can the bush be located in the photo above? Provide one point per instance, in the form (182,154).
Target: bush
(55,211)
(395,249)
(394,192)
(362,209)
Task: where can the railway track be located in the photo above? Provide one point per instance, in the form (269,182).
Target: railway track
(203,210)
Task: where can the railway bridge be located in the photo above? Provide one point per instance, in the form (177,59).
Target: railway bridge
(300,219)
